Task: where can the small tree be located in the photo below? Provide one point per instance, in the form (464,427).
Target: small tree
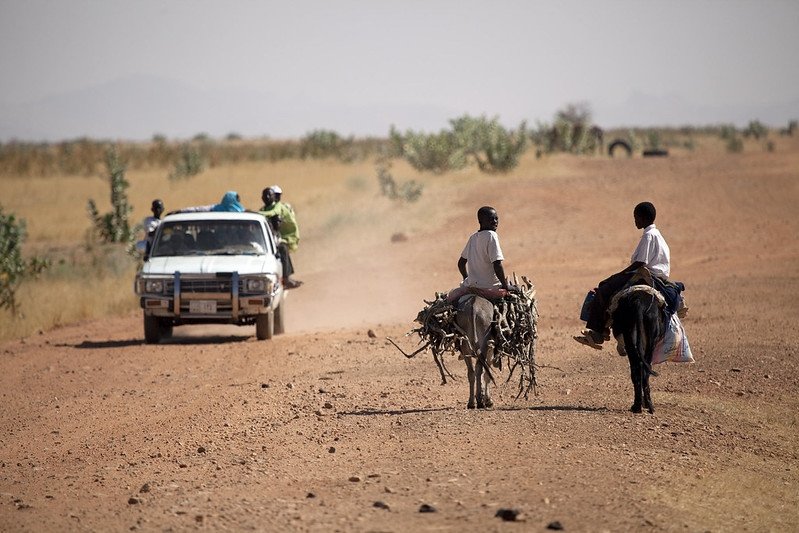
(571,131)
(494,148)
(409,191)
(114,227)
(189,163)
(756,129)
(436,152)
(13,268)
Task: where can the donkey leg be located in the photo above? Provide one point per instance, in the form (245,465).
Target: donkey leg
(647,397)
(487,401)
(479,383)
(470,373)
(635,377)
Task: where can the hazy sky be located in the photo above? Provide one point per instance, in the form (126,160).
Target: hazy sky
(411,62)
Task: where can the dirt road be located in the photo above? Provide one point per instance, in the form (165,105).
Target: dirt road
(328,429)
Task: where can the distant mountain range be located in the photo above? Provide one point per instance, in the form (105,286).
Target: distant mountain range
(139,107)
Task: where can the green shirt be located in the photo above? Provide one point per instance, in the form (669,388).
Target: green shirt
(289,231)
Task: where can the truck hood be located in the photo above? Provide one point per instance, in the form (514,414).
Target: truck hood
(211,264)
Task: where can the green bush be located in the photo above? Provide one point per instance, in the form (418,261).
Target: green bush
(409,191)
(493,148)
(728,132)
(190,163)
(13,268)
(735,145)
(437,152)
(653,139)
(113,227)
(571,132)
(756,129)
(320,144)
(486,142)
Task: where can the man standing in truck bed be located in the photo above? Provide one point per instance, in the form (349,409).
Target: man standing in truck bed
(281,218)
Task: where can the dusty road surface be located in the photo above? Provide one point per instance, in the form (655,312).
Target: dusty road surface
(326,428)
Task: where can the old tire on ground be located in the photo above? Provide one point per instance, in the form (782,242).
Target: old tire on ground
(655,152)
(280,318)
(619,143)
(265,326)
(152,330)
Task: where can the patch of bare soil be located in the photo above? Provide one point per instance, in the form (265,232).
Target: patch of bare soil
(326,428)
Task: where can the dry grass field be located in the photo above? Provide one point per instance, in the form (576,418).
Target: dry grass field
(327,429)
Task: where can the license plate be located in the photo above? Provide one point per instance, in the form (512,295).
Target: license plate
(202,307)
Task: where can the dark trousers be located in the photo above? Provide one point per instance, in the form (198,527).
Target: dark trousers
(604,293)
(285,260)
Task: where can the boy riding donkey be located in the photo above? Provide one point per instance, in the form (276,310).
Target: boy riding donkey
(653,255)
(485,319)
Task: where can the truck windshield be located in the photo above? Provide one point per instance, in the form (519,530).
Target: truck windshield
(209,237)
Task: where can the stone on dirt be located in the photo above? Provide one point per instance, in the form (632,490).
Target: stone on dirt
(510,515)
(427,508)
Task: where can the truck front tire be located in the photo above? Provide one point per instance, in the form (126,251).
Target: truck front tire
(152,330)
(280,318)
(265,326)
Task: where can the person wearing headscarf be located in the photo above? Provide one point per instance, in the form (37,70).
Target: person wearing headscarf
(230,202)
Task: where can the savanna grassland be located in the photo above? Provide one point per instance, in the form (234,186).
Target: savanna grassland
(327,428)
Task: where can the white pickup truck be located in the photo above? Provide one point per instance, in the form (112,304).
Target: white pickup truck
(212,268)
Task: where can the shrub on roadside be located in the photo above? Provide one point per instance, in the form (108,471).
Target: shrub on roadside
(735,145)
(756,129)
(320,144)
(492,147)
(189,163)
(572,131)
(436,152)
(13,268)
(408,191)
(113,227)
(486,142)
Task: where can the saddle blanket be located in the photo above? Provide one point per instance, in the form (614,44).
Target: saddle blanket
(493,293)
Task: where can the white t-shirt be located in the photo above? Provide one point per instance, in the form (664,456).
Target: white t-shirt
(653,251)
(480,252)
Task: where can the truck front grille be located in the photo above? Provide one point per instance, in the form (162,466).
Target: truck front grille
(202,285)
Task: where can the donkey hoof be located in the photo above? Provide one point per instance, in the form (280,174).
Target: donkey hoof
(636,408)
(488,404)
(470,405)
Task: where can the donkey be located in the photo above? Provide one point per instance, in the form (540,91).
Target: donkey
(639,322)
(474,319)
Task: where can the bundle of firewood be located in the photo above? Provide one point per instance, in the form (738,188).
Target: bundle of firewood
(515,333)
(514,330)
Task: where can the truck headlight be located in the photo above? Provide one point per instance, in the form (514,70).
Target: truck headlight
(154,285)
(255,285)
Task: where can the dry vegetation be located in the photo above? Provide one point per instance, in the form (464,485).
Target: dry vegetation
(336,201)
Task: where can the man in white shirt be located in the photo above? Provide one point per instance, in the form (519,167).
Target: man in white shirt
(150,224)
(651,252)
(480,263)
